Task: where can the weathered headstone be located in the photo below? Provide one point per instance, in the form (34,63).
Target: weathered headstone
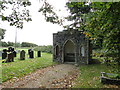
(10,57)
(22,55)
(31,54)
(14,53)
(10,49)
(39,53)
(4,54)
(29,50)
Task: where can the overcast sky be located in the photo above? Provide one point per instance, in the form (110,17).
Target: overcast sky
(37,31)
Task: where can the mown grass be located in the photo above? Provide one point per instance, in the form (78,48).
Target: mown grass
(89,76)
(22,67)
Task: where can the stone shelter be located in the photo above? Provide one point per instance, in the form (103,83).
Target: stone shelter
(71,46)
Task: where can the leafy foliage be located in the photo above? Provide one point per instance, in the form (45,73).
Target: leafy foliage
(47,49)
(50,15)
(2,32)
(100,20)
(18,13)
(23,44)
(27,44)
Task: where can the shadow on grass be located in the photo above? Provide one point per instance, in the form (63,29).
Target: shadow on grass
(95,61)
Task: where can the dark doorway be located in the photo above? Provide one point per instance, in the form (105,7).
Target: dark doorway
(57,51)
(69,51)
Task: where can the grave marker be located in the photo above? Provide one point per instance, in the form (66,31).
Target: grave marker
(22,55)
(4,54)
(31,54)
(14,53)
(39,53)
(29,50)
(10,57)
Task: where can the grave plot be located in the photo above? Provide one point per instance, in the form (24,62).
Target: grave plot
(10,55)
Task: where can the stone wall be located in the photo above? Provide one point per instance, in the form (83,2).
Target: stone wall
(71,46)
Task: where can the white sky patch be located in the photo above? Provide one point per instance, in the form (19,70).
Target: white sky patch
(37,31)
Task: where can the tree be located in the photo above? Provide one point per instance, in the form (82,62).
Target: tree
(10,44)
(27,44)
(4,44)
(101,21)
(18,44)
(2,32)
(18,13)
(50,16)
(47,49)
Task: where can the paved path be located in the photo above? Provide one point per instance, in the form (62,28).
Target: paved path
(58,76)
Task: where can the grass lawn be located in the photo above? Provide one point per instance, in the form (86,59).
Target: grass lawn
(89,76)
(22,67)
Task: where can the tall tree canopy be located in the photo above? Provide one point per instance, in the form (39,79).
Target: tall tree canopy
(100,20)
(18,12)
(50,16)
(15,12)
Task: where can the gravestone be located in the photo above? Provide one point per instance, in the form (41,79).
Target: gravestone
(39,53)
(31,54)
(10,57)
(15,53)
(22,55)
(29,50)
(4,54)
(10,49)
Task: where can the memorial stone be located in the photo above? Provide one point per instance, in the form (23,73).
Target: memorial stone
(14,53)
(29,50)
(32,54)
(10,57)
(22,55)
(4,54)
(39,53)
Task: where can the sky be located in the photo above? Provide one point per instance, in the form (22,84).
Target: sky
(37,31)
